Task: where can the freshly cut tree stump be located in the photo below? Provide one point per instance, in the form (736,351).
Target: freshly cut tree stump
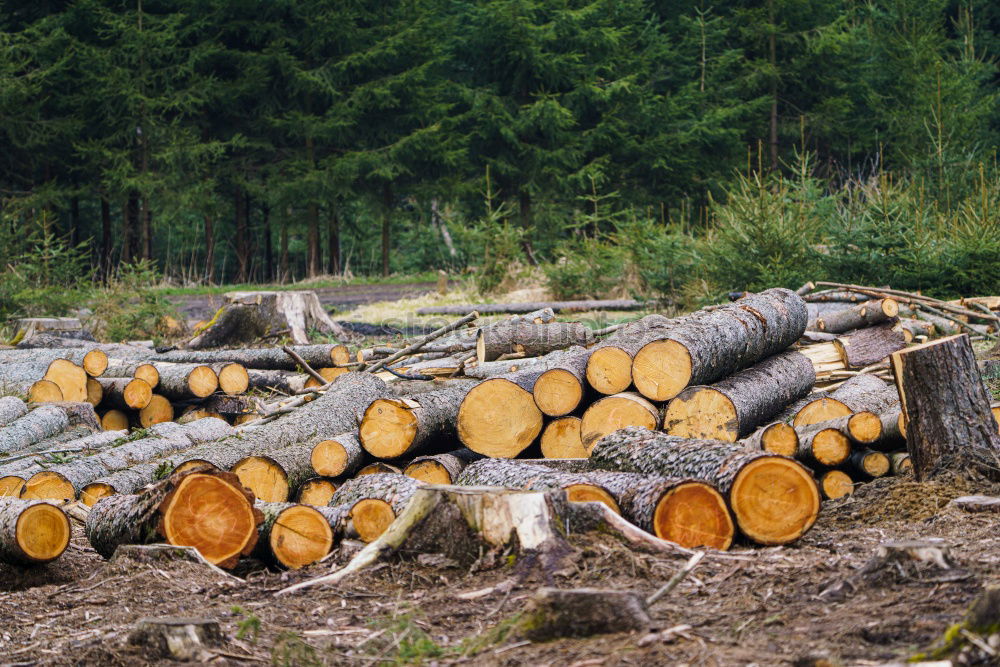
(375,501)
(157,411)
(298,535)
(614,412)
(316,491)
(378,468)
(823,444)
(285,382)
(870,345)
(712,344)
(44,391)
(732,408)
(862,315)
(232,377)
(263,359)
(204,509)
(126,393)
(395,427)
(72,379)
(609,367)
(40,423)
(114,420)
(11,408)
(339,455)
(900,464)
(949,424)
(558,391)
(858,394)
(179,381)
(836,484)
(777,438)
(32,532)
(552,613)
(562,439)
(532,340)
(775,500)
(498,418)
(870,464)
(95,392)
(441,468)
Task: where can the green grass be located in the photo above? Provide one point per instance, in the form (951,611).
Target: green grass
(395,279)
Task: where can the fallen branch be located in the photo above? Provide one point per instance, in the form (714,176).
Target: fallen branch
(378,365)
(302,362)
(676,579)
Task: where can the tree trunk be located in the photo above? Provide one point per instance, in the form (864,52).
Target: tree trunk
(562,439)
(106,244)
(126,393)
(208,510)
(441,468)
(732,408)
(775,500)
(147,230)
(520,337)
(242,235)
(395,427)
(862,315)
(338,455)
(284,252)
(712,344)
(949,424)
(32,532)
(333,241)
(294,535)
(313,251)
(266,358)
(439,222)
(11,408)
(129,228)
(777,438)
(386,220)
(74,221)
(870,345)
(375,501)
(615,412)
(858,394)
(529,306)
(209,273)
(609,366)
(268,243)
(42,422)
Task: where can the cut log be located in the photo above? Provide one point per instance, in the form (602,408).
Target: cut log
(441,468)
(44,391)
(527,307)
(552,613)
(94,361)
(712,344)
(157,411)
(40,423)
(32,532)
(870,464)
(95,393)
(395,427)
(949,424)
(232,377)
(204,509)
(328,375)
(298,535)
(558,391)
(274,477)
(262,359)
(498,418)
(836,484)
(126,393)
(900,464)
(133,369)
(732,408)
(11,408)
(231,405)
(378,468)
(194,413)
(777,438)
(562,439)
(858,394)
(180,381)
(339,455)
(532,340)
(72,379)
(614,412)
(862,315)
(375,501)
(316,491)
(822,444)
(114,420)
(775,500)
(285,382)
(917,328)
(579,487)
(609,367)
(870,345)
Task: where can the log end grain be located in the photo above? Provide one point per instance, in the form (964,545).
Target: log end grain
(95,362)
(899,463)
(329,458)
(91,493)
(48,485)
(661,370)
(328,374)
(498,418)
(611,413)
(378,468)
(388,428)
(137,394)
(780,438)
(609,370)
(94,392)
(702,412)
(202,381)
(300,536)
(340,355)
(148,373)
(830,447)
(775,500)
(591,493)
(44,391)
(72,379)
(233,378)
(836,484)
(557,392)
(872,464)
(316,491)
(562,439)
(264,477)
(42,532)
(114,420)
(694,514)
(11,486)
(191,464)
(158,410)
(429,471)
(865,427)
(820,410)
(371,517)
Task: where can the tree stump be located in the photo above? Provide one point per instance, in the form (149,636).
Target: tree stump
(552,613)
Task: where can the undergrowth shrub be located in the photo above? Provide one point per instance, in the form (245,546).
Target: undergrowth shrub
(586,268)
(129,308)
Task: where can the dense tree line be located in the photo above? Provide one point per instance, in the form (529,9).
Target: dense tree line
(244,140)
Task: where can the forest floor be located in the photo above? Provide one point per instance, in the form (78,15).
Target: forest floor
(752,605)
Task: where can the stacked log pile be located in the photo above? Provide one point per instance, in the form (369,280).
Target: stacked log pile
(730,423)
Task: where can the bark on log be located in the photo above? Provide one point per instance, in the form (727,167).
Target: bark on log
(823,445)
(836,484)
(519,337)
(609,367)
(375,501)
(378,468)
(441,468)
(611,413)
(862,315)
(732,408)
(126,393)
(340,455)
(558,391)
(40,423)
(712,344)
(11,408)
(14,472)
(143,370)
(267,358)
(900,463)
(285,382)
(527,307)
(112,350)
(949,424)
(870,345)
(860,393)
(205,509)
(395,427)
(31,532)
(918,327)
(180,381)
(775,500)
(562,439)
(552,613)
(777,438)
(294,536)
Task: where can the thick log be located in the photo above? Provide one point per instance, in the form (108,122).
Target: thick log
(563,439)
(205,509)
(232,377)
(71,379)
(558,391)
(285,382)
(836,484)
(180,381)
(275,476)
(375,501)
(611,413)
(157,411)
(527,307)
(870,464)
(15,471)
(316,491)
(441,468)
(231,405)
(113,350)
(609,367)
(31,532)
(395,427)
(917,328)
(862,428)
(11,408)
(870,345)
(114,420)
(266,358)
(126,393)
(579,487)
(949,424)
(712,344)
(520,337)
(498,418)
(552,613)
(858,394)
(775,500)
(294,535)
(732,408)
(777,438)
(94,361)
(40,423)
(862,315)
(823,445)
(44,391)
(340,455)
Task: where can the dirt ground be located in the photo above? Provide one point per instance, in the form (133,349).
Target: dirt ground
(752,605)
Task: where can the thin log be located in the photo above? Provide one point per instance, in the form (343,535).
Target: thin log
(526,307)
(857,317)
(410,349)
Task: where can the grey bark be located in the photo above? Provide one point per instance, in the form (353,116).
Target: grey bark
(11,510)
(396,490)
(526,307)
(866,392)
(530,339)
(266,358)
(114,392)
(285,382)
(174,379)
(862,315)
(870,345)
(42,422)
(11,408)
(453,462)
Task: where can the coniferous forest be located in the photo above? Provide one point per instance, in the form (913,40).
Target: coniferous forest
(690,146)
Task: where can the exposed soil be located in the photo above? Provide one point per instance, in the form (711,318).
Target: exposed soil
(751,605)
